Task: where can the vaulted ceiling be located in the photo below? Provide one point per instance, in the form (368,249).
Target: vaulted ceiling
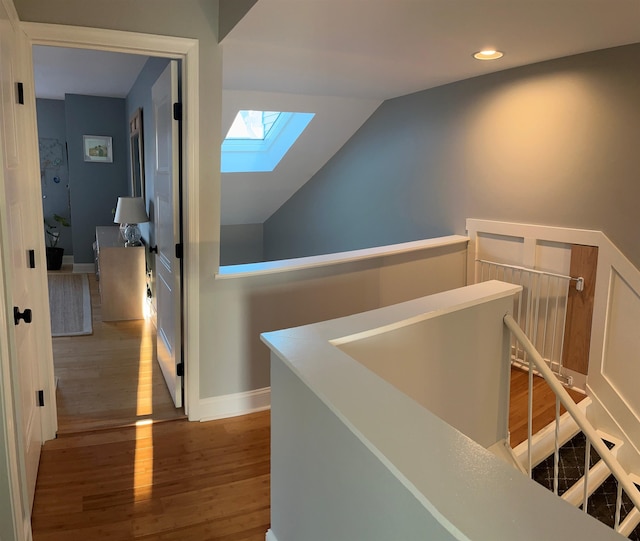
(342,58)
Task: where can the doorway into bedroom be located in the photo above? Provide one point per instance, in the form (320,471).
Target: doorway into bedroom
(107,374)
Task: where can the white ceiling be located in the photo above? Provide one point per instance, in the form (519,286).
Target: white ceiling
(59,71)
(342,58)
(371,50)
(387,48)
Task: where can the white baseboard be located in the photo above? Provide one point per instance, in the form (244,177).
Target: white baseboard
(232,405)
(270,536)
(84,267)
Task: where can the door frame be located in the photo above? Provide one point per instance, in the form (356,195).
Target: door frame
(186,50)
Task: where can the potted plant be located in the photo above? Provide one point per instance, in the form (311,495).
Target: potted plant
(54,253)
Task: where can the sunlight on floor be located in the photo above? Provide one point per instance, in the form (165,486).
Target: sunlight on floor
(144,405)
(143,474)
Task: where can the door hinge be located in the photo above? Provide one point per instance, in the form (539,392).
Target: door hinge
(180,369)
(179,250)
(18,315)
(32,259)
(177,111)
(20,93)
(41,399)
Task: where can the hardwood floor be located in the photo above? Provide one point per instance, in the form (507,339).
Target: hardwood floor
(110,378)
(544,405)
(163,481)
(166,481)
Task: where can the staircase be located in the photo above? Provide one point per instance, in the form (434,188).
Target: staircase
(602,487)
(573,458)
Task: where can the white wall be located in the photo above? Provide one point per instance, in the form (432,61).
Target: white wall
(251,299)
(453,365)
(355,458)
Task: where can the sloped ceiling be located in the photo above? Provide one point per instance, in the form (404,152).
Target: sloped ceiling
(342,58)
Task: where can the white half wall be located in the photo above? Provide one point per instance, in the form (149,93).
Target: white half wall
(251,299)
(354,458)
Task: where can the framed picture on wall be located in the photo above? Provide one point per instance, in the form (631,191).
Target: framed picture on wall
(97,148)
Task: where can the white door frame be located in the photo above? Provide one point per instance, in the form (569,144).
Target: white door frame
(186,50)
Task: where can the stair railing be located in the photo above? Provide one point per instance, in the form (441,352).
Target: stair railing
(592,437)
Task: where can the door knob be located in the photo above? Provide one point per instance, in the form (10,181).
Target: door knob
(18,315)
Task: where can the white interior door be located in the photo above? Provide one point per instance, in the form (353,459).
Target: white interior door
(18,222)
(166,222)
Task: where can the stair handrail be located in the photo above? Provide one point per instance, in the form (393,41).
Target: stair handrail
(578,416)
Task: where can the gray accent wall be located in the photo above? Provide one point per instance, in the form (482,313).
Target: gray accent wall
(95,186)
(140,97)
(554,143)
(240,244)
(54,172)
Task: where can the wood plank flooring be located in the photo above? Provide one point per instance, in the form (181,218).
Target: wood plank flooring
(110,378)
(544,404)
(163,481)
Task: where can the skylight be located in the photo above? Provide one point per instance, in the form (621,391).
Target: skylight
(258,140)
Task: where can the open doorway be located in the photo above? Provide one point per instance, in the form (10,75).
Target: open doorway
(109,376)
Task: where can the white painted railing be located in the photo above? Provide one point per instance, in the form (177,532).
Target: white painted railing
(591,435)
(540,309)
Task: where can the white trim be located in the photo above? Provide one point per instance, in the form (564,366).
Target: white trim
(191,229)
(187,50)
(270,536)
(232,405)
(612,410)
(286,265)
(78,37)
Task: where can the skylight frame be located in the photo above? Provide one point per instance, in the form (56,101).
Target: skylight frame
(263,155)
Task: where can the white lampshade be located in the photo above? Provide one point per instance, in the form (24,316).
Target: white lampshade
(130,210)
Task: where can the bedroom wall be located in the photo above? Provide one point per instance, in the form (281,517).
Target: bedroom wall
(140,97)
(54,172)
(552,143)
(94,186)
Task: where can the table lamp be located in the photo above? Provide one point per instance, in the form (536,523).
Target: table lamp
(130,212)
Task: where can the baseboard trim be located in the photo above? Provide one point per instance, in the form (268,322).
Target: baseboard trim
(232,405)
(84,267)
(270,536)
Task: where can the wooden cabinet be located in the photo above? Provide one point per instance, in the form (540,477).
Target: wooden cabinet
(121,273)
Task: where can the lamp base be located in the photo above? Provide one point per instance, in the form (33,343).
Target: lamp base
(132,235)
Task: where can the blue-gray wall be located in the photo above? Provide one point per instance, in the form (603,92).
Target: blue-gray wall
(240,244)
(95,186)
(140,97)
(553,143)
(54,173)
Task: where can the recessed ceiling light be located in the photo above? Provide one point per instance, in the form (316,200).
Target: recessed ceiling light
(488,54)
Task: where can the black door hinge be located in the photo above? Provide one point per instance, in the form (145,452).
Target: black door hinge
(177,111)
(18,315)
(179,250)
(20,93)
(180,369)
(41,399)
(32,259)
